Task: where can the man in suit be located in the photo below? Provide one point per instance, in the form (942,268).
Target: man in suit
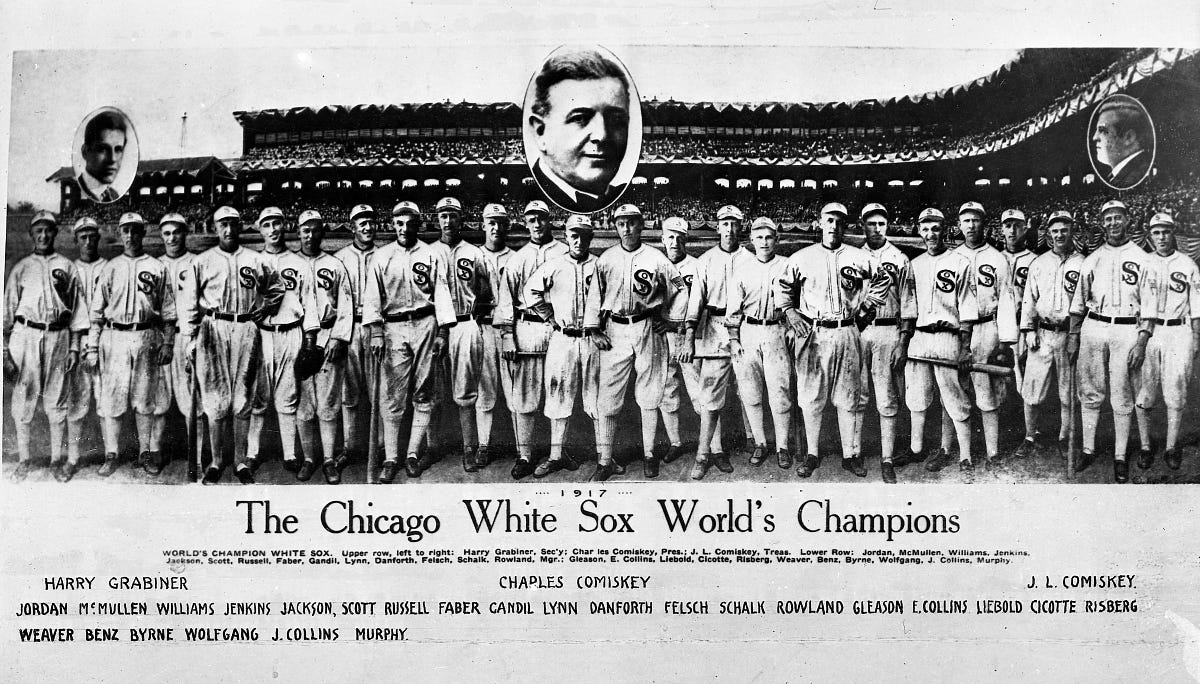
(580,119)
(1124,141)
(103,151)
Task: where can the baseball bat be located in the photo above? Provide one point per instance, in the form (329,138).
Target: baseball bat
(372,431)
(194,446)
(990,369)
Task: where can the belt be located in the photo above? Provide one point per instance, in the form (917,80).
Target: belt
(484,320)
(715,310)
(939,328)
(1119,320)
(463,317)
(1170,321)
(531,317)
(282,327)
(572,332)
(144,325)
(222,316)
(326,325)
(834,324)
(760,321)
(39,326)
(986,319)
(1064,326)
(358,318)
(885,321)
(409,315)
(629,320)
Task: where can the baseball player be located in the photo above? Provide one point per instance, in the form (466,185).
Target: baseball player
(1013,229)
(557,291)
(1172,350)
(681,373)
(495,374)
(469,284)
(235,289)
(938,309)
(1113,317)
(44,320)
(524,335)
(358,373)
(82,383)
(132,336)
(821,293)
(707,337)
(174,231)
(883,356)
(758,348)
(1049,287)
(281,336)
(331,302)
(996,326)
(408,312)
(633,302)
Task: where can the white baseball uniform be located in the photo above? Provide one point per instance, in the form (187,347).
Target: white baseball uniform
(685,375)
(939,297)
(495,374)
(281,335)
(764,369)
(84,389)
(559,288)
(707,311)
(1170,352)
(470,284)
(43,306)
(1119,294)
(1018,272)
(997,321)
(1050,285)
(881,339)
(332,304)
(359,372)
(133,299)
(180,272)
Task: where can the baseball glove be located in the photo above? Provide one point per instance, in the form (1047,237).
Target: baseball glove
(308,361)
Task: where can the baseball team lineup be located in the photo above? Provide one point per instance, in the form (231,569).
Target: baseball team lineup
(361,355)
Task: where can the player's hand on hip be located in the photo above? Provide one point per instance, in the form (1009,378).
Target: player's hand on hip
(508,348)
(800,327)
(601,341)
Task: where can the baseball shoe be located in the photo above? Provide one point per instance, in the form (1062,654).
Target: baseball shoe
(569,462)
(888,471)
(618,467)
(759,455)
(967,470)
(292,465)
(721,461)
(21,472)
(470,460)
(1027,449)
(1173,458)
(254,463)
(1120,471)
(521,469)
(427,459)
(855,465)
(1145,458)
(807,465)
(483,456)
(1064,446)
(212,475)
(389,472)
(111,463)
(699,469)
(1086,458)
(153,463)
(413,466)
(941,460)
(342,457)
(650,468)
(244,474)
(993,464)
(784,458)
(332,474)
(602,472)
(193,471)
(305,472)
(66,471)
(910,457)
(673,453)
(548,466)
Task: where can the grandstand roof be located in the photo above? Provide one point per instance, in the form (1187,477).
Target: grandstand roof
(151,168)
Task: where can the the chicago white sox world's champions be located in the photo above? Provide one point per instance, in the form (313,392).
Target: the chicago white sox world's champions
(859,365)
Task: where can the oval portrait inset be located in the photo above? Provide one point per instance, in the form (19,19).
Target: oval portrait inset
(105,157)
(1121,142)
(582,128)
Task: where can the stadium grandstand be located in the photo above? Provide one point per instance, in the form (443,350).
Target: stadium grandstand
(1016,137)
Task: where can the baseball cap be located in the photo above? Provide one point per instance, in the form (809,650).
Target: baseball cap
(171,218)
(309,215)
(226,212)
(495,211)
(46,216)
(675,225)
(1114,204)
(1162,219)
(448,204)
(627,210)
(86,223)
(536,206)
(405,207)
(1012,215)
(360,209)
(873,208)
(580,222)
(835,208)
(270,212)
(765,223)
(931,214)
(1060,215)
(730,211)
(131,217)
(972,206)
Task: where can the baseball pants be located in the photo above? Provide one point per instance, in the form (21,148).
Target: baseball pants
(1103,368)
(40,355)
(572,366)
(715,366)
(276,385)
(408,367)
(828,368)
(879,345)
(919,378)
(1049,357)
(636,349)
(464,354)
(532,339)
(358,376)
(990,391)
(764,370)
(1168,367)
(128,376)
(495,374)
(227,359)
